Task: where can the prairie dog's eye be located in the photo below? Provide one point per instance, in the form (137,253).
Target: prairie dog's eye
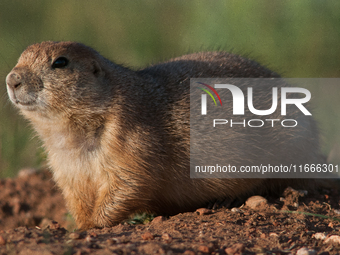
(60,62)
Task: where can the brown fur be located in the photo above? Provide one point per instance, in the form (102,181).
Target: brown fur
(118,140)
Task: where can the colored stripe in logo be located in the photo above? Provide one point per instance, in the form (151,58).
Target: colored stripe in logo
(213,90)
(206,91)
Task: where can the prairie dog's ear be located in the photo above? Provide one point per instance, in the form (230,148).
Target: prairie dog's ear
(96,68)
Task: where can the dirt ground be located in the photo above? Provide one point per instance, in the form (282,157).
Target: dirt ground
(34,220)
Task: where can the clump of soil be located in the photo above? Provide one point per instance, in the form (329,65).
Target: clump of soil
(291,224)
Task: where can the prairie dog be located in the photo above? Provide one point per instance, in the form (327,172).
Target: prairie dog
(118,140)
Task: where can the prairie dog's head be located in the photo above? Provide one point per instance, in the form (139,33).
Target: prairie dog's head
(57,77)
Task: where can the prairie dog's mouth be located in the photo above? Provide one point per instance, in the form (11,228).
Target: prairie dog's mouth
(25,101)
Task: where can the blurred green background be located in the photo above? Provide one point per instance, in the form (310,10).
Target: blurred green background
(294,38)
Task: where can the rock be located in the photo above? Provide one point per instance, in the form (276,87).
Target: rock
(89,239)
(158,219)
(333,239)
(148,236)
(319,236)
(237,248)
(272,234)
(204,249)
(255,202)
(74,236)
(337,211)
(203,211)
(167,238)
(2,240)
(306,251)
(235,210)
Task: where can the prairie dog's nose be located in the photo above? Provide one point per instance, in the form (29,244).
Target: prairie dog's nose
(13,80)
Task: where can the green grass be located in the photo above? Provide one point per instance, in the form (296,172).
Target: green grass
(312,214)
(140,218)
(295,38)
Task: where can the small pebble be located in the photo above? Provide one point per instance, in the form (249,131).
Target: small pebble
(89,239)
(148,236)
(167,238)
(237,248)
(319,236)
(158,219)
(306,251)
(203,211)
(272,234)
(204,249)
(256,201)
(2,240)
(333,239)
(235,210)
(74,236)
